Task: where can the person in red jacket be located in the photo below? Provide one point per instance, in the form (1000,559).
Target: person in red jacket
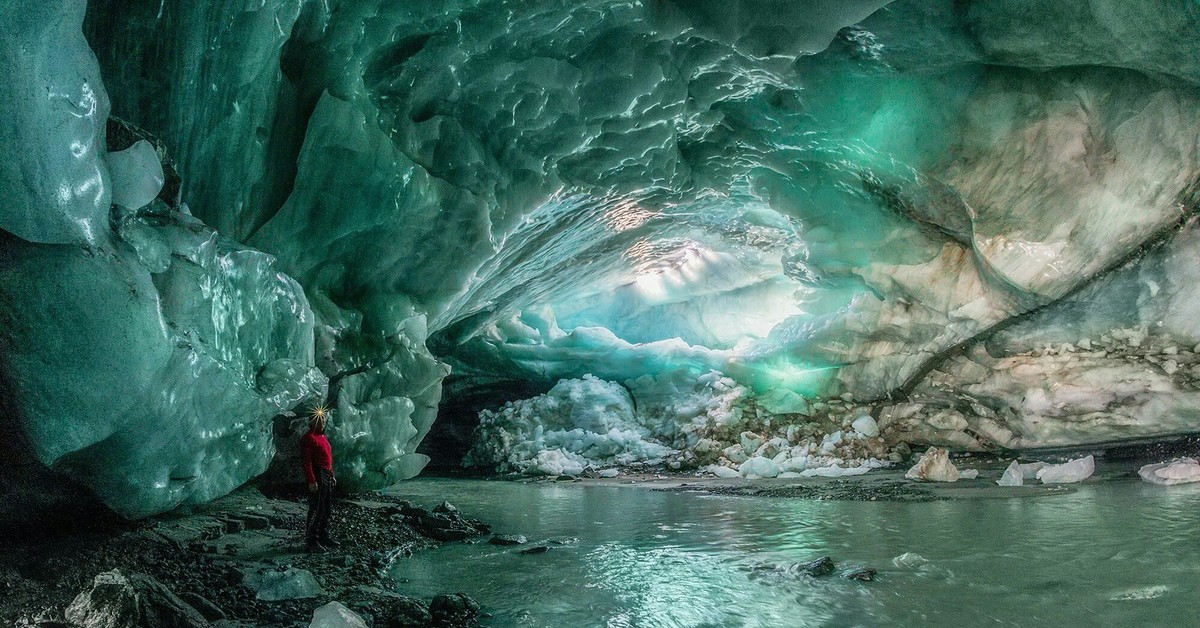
(316,457)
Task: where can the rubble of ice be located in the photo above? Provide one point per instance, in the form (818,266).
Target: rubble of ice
(678,423)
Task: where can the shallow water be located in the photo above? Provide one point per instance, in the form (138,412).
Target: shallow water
(1118,552)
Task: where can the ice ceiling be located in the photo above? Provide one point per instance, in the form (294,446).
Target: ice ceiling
(973,219)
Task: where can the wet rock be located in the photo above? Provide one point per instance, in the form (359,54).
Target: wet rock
(822,566)
(409,613)
(445,523)
(283,583)
(866,574)
(453,610)
(211,611)
(508,539)
(336,615)
(122,599)
(540,549)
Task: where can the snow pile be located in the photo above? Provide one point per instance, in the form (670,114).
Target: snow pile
(1177,471)
(934,466)
(579,423)
(681,421)
(1068,472)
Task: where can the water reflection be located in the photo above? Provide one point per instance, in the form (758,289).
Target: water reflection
(1115,553)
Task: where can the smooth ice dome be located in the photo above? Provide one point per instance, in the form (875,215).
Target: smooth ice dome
(724,211)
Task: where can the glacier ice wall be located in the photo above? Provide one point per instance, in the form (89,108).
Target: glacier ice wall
(893,207)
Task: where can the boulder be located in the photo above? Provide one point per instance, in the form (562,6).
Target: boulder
(284,583)
(336,615)
(453,610)
(123,599)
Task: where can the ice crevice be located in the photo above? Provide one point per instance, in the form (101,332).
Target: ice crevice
(754,237)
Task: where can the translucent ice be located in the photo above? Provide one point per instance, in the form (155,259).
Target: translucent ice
(137,175)
(1012,475)
(336,615)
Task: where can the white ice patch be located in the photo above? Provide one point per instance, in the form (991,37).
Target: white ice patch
(1177,471)
(1068,472)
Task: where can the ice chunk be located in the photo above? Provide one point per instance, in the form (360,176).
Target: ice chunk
(934,466)
(968,474)
(909,560)
(336,615)
(866,426)
(271,585)
(1068,472)
(1177,471)
(759,467)
(1029,470)
(137,175)
(1012,475)
(721,471)
(609,473)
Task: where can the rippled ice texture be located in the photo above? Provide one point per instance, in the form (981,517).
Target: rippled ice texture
(1114,554)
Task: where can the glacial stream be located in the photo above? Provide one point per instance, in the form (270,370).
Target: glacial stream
(1112,552)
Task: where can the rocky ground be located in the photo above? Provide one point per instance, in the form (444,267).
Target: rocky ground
(239,561)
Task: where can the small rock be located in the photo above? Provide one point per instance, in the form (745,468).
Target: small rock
(866,574)
(445,508)
(539,549)
(822,566)
(508,539)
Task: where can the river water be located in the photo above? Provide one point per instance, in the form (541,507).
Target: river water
(1112,552)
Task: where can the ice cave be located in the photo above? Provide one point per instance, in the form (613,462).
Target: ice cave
(625,313)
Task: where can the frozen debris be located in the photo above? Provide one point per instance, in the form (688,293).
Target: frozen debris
(1068,472)
(934,466)
(336,615)
(1177,471)
(1012,475)
(968,474)
(609,473)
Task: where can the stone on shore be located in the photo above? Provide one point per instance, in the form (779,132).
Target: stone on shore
(336,615)
(122,599)
(271,585)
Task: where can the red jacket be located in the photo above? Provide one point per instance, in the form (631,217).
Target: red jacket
(315,453)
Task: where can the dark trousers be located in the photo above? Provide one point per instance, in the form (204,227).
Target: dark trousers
(318,507)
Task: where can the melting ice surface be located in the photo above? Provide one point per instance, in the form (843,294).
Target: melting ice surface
(1121,553)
